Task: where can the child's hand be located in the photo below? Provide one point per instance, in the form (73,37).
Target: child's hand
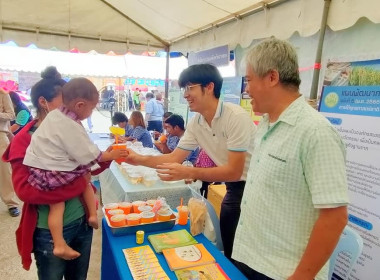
(122,139)
(115,154)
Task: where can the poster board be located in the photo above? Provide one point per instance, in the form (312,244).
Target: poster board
(231,90)
(355,113)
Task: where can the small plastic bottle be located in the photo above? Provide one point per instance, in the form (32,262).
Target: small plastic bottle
(140,237)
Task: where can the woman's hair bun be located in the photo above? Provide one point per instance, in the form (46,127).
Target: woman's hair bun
(50,72)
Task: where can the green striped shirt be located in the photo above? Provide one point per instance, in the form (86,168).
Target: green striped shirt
(298,166)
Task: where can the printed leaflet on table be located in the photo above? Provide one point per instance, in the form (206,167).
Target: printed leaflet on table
(210,271)
(143,263)
(171,239)
(187,256)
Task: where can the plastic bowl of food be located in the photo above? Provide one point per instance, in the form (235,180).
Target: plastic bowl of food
(126,207)
(147,217)
(151,202)
(144,208)
(135,178)
(149,180)
(164,215)
(136,204)
(118,220)
(110,206)
(133,219)
(114,212)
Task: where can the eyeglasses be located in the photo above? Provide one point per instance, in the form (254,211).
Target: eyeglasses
(188,87)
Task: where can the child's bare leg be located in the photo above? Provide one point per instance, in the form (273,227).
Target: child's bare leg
(89,199)
(55,222)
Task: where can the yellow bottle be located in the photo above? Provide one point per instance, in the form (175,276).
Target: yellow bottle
(140,237)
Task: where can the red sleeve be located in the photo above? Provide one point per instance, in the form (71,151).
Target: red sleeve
(29,194)
(103,166)
(15,153)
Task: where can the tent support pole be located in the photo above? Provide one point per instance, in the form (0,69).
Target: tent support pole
(317,65)
(166,104)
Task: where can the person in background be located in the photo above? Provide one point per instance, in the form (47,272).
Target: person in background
(160,100)
(6,187)
(140,133)
(294,208)
(224,130)
(33,234)
(142,100)
(157,134)
(175,127)
(130,100)
(23,115)
(154,111)
(121,120)
(136,99)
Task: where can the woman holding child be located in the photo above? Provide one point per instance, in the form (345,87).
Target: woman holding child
(33,234)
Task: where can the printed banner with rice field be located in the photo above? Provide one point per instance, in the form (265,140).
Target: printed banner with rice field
(354,110)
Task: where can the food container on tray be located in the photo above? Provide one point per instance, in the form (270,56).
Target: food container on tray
(154,226)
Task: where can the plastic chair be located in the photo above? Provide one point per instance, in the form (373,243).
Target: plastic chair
(213,216)
(351,243)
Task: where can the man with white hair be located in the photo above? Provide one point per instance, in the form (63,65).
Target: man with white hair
(294,206)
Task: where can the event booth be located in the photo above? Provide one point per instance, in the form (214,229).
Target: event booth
(337,42)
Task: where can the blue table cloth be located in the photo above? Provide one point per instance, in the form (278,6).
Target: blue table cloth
(114,266)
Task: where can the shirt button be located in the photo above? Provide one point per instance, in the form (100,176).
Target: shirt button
(241,223)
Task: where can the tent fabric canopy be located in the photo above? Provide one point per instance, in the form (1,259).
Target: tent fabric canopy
(88,64)
(282,21)
(186,25)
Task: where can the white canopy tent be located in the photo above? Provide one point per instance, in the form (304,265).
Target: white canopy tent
(89,64)
(186,25)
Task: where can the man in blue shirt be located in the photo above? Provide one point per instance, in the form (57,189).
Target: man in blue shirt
(154,112)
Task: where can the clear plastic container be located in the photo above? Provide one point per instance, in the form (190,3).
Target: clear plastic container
(136,204)
(147,217)
(114,212)
(164,214)
(110,206)
(137,144)
(188,164)
(135,178)
(151,202)
(133,219)
(144,208)
(150,179)
(183,214)
(118,220)
(126,207)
